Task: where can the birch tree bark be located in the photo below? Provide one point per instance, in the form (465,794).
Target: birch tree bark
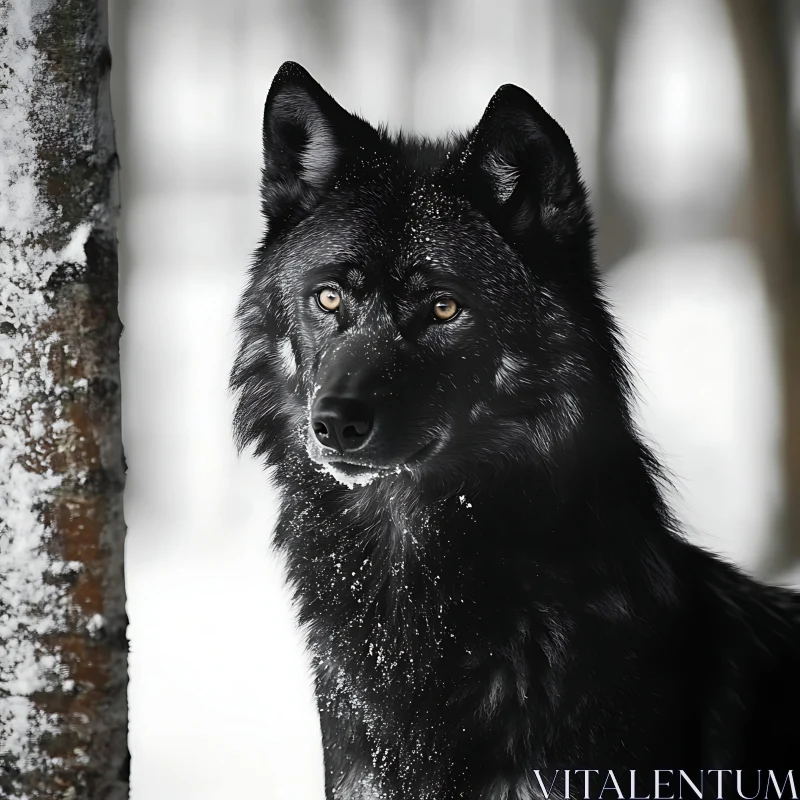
(63,647)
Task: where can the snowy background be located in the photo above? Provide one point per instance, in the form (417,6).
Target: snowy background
(220,694)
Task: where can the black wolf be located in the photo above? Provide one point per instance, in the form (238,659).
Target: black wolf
(488,577)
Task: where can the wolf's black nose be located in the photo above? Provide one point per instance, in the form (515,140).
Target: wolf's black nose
(341,423)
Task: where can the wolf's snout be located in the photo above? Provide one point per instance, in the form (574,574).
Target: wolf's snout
(341,423)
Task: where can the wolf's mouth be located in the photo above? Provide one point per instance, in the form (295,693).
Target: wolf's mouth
(354,466)
(360,473)
(422,453)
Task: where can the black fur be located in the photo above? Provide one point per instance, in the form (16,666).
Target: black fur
(510,593)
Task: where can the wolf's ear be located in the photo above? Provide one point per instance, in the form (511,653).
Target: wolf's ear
(304,137)
(522,170)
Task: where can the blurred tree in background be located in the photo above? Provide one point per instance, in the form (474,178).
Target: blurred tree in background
(762,31)
(602,24)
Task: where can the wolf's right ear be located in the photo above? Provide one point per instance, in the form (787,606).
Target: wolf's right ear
(521,168)
(304,137)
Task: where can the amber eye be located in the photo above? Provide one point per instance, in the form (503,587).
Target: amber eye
(329,299)
(445,308)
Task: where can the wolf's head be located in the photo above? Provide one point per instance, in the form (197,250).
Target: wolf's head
(417,307)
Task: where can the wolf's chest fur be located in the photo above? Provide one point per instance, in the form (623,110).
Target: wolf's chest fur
(489,580)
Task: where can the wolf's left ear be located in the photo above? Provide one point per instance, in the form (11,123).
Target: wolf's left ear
(522,170)
(304,137)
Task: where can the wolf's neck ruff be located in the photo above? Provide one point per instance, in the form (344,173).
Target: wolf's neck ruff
(489,580)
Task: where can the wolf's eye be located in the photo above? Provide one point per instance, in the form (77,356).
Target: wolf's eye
(329,299)
(445,309)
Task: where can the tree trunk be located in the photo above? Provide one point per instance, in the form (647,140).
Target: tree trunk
(603,24)
(63,718)
(760,31)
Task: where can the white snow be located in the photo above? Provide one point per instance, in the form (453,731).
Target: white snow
(29,605)
(220,694)
(351,481)
(697,325)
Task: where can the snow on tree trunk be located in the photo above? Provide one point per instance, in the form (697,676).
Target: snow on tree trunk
(63,675)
